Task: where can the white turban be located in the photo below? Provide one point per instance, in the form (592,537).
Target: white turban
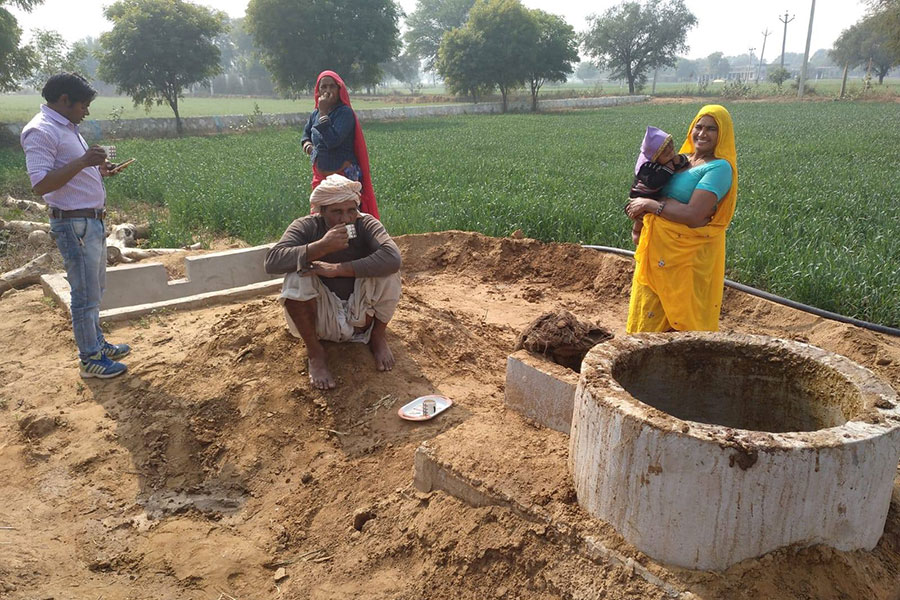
(334,189)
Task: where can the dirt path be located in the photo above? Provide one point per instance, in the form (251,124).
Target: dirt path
(213,464)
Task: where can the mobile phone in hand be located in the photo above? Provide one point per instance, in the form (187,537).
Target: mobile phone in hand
(121,165)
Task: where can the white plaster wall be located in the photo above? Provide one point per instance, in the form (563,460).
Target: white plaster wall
(165,127)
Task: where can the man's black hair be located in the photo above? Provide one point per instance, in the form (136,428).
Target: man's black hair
(74,85)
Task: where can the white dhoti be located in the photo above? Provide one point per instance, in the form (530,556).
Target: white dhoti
(337,319)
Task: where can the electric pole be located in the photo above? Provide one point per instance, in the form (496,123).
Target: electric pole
(812,11)
(785,20)
(750,63)
(766,34)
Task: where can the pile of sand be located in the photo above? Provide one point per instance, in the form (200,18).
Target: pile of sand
(213,470)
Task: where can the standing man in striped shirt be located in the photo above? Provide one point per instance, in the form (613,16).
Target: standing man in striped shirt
(68,174)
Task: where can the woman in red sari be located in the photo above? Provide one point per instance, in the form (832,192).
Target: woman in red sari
(333,139)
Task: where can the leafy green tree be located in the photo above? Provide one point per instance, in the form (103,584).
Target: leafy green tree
(866,43)
(53,55)
(886,15)
(717,65)
(821,58)
(405,69)
(687,69)
(847,50)
(459,64)
(554,53)
(428,23)
(242,71)
(633,39)
(88,49)
(299,39)
(509,36)
(15,62)
(157,48)
(887,18)
(779,75)
(878,47)
(503,35)
(586,71)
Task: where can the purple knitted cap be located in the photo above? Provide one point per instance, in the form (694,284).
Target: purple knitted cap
(654,140)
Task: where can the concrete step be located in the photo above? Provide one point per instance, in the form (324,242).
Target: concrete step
(214,278)
(526,472)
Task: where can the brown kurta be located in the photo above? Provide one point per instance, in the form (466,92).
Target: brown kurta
(372,253)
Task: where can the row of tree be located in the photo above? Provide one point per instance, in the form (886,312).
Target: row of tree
(873,42)
(159,48)
(504,45)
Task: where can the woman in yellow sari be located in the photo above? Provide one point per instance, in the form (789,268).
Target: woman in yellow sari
(679,273)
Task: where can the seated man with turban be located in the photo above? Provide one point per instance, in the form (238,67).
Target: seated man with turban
(342,281)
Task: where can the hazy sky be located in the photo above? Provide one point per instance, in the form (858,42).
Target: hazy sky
(729,26)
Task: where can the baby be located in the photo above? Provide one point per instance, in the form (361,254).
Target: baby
(656,164)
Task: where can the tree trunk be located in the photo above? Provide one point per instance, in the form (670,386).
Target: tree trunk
(174,104)
(844,81)
(28,274)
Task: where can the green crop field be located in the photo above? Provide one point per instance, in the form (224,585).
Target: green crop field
(817,221)
(16,108)
(814,88)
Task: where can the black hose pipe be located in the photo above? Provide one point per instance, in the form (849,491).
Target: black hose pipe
(777,299)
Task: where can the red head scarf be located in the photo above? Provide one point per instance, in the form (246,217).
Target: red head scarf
(359,146)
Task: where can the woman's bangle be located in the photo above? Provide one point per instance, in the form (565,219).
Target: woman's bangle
(659,209)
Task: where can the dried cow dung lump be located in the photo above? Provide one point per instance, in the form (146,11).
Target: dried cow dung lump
(562,338)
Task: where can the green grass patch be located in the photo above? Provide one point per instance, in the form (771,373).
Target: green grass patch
(20,108)
(817,218)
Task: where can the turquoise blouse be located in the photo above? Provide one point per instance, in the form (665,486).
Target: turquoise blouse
(714,176)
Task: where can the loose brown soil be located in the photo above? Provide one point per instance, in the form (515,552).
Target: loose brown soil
(212,470)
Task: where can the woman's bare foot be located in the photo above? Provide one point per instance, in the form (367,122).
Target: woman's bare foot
(384,358)
(319,375)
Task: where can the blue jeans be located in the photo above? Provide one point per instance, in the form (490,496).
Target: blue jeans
(82,243)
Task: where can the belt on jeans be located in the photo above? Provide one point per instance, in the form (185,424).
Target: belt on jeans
(84,213)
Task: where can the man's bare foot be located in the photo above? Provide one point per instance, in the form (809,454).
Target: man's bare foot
(319,375)
(384,358)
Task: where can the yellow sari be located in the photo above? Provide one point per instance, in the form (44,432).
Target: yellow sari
(679,272)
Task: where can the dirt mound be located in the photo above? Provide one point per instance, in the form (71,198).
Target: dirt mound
(212,465)
(562,338)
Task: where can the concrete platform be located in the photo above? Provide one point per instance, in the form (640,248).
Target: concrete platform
(540,390)
(706,449)
(136,290)
(529,477)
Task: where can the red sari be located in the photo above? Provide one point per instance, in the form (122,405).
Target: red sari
(368,204)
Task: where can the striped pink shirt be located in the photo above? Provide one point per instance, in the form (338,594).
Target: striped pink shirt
(51,141)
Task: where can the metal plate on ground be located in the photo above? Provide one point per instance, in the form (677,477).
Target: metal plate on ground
(418,410)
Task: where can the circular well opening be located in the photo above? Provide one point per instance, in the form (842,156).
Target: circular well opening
(743,386)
